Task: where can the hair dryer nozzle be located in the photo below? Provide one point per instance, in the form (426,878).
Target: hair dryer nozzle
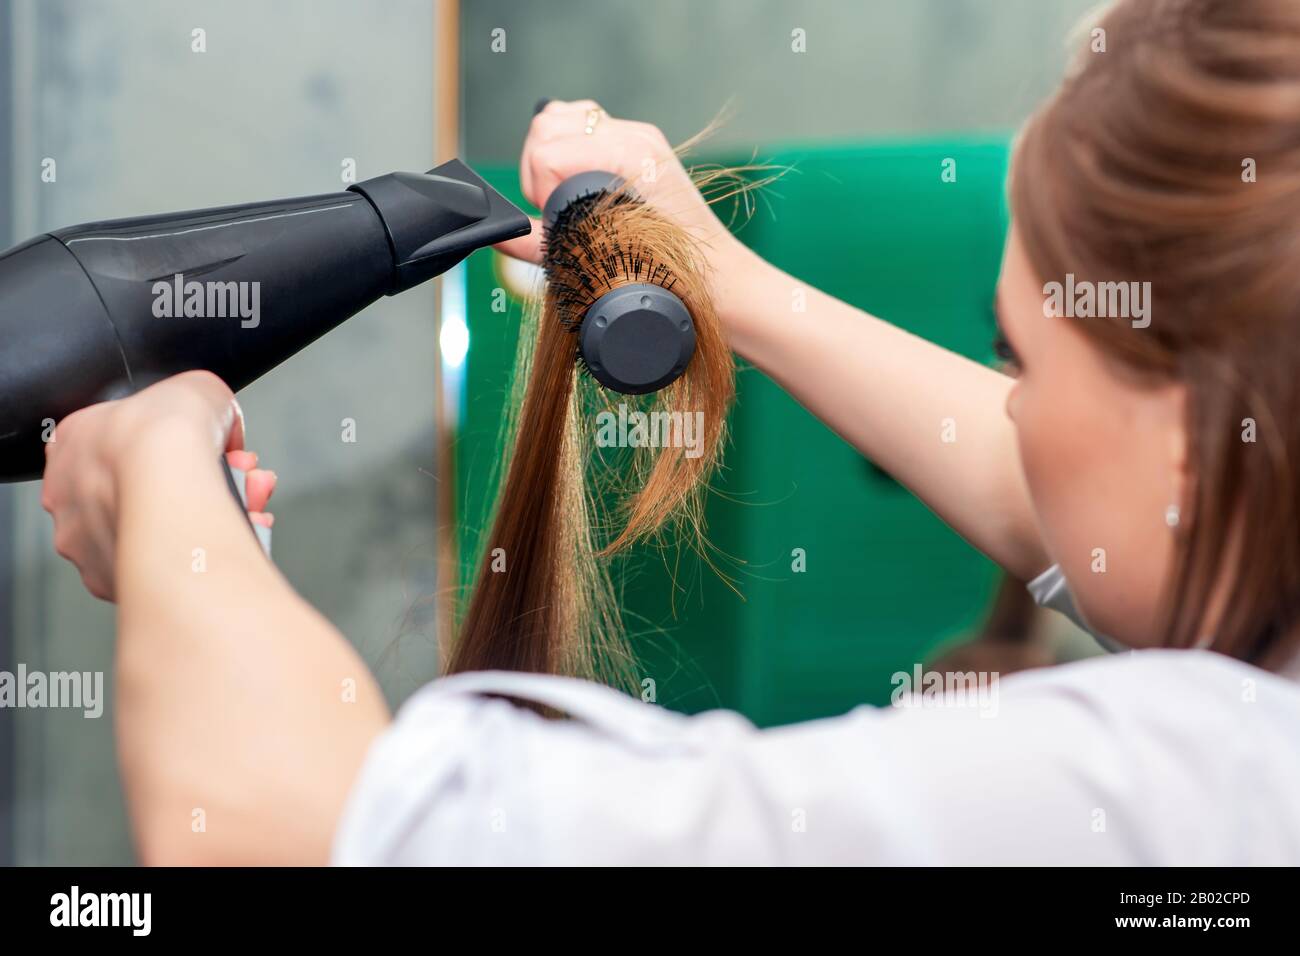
(436,219)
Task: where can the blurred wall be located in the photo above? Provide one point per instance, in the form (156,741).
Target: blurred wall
(139,122)
(871,67)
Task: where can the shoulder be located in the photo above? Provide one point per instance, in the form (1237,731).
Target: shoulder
(1148,704)
(1185,687)
(466,776)
(1151,757)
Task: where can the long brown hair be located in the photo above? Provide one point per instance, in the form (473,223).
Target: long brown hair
(544,600)
(1172,155)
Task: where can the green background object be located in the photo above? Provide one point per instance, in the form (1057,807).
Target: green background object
(886,582)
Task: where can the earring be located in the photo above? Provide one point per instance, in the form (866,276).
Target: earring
(1172,516)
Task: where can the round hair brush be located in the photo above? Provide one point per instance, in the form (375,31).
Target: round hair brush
(628,292)
(635,335)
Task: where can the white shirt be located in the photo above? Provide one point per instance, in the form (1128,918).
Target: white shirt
(1146,757)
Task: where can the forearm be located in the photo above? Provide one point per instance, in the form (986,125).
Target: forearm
(238,704)
(890,394)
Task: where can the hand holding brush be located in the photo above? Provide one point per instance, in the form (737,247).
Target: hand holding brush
(569,138)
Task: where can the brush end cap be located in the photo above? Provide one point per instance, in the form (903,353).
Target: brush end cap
(575,187)
(637,339)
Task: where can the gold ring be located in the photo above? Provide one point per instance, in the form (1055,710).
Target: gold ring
(593,117)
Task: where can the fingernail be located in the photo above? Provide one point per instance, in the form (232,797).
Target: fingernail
(239,411)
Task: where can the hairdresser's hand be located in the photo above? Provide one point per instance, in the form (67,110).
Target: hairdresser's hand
(558,147)
(177,427)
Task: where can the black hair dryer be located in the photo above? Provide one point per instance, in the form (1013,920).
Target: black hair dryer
(96,310)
